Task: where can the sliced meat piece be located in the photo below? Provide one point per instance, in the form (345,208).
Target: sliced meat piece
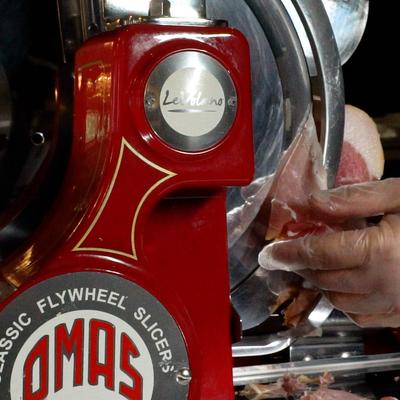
(353,167)
(288,385)
(326,379)
(362,155)
(301,173)
(328,394)
(292,385)
(262,392)
(287,294)
(300,307)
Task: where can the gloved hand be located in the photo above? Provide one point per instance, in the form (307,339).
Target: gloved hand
(359,269)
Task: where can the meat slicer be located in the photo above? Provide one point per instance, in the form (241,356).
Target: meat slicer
(119,285)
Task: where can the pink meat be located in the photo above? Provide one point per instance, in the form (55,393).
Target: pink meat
(292,385)
(362,157)
(353,167)
(301,173)
(327,394)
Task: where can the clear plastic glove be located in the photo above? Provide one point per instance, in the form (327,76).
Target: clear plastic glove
(359,269)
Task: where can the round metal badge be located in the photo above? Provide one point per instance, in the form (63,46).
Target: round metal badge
(190,101)
(93,336)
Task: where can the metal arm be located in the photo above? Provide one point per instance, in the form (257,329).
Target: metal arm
(328,63)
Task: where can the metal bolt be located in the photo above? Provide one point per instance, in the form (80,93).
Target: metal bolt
(232,102)
(183,376)
(150,101)
(93,27)
(38,138)
(69,44)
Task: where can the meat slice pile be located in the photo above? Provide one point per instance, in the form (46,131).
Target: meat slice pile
(288,385)
(298,388)
(328,394)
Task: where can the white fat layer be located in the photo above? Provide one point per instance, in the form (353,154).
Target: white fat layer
(293,213)
(362,133)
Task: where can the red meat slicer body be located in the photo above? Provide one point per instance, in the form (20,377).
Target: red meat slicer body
(124,290)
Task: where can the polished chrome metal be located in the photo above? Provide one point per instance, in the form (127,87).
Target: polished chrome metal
(270,344)
(38,138)
(115,9)
(184,376)
(339,338)
(82,19)
(261,345)
(5,111)
(92,17)
(190,101)
(293,75)
(331,91)
(79,20)
(316,22)
(170,21)
(348,20)
(293,72)
(341,366)
(159,8)
(253,298)
(314,348)
(268,118)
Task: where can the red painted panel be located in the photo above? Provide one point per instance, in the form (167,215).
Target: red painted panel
(134,206)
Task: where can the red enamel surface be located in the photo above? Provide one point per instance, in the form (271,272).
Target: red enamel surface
(164,228)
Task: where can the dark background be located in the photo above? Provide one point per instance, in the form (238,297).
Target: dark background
(372,75)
